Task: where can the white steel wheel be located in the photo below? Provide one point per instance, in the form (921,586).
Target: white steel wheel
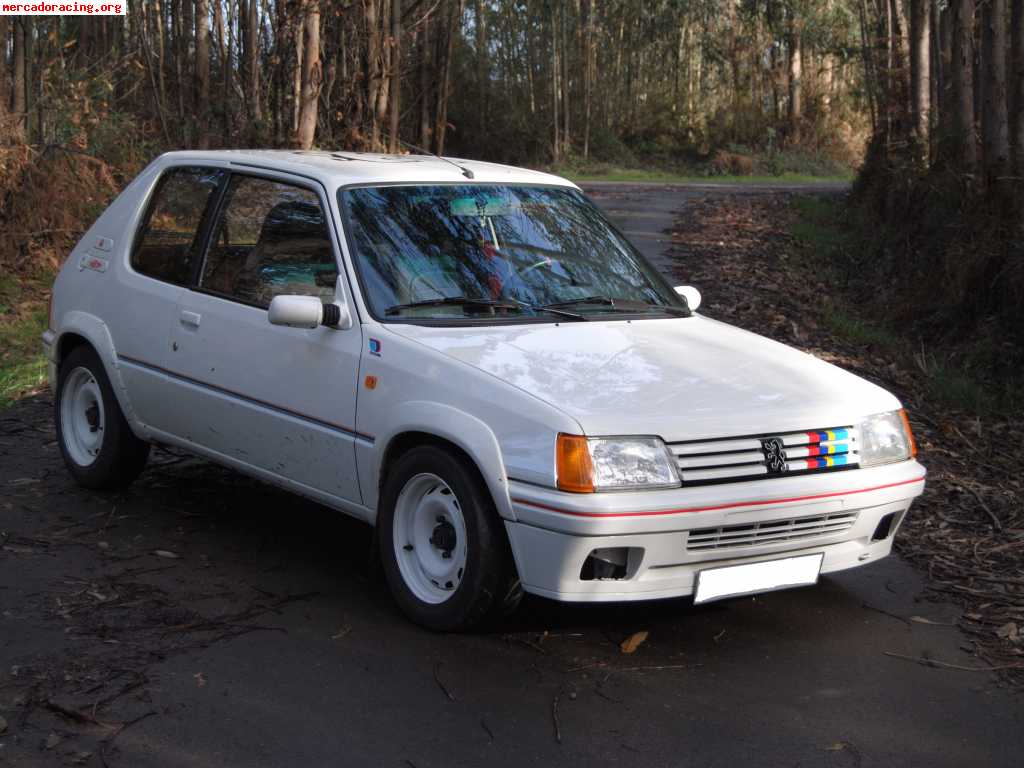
(82,416)
(429,538)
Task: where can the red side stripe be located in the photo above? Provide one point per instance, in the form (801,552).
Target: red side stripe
(716,507)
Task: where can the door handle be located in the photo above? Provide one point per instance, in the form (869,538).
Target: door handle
(190,318)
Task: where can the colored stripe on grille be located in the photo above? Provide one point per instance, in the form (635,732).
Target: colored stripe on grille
(729,459)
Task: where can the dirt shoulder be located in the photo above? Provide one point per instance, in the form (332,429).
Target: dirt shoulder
(967,530)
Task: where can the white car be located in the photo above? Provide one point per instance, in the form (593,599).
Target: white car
(471,358)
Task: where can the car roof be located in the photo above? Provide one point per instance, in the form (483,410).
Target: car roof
(342,168)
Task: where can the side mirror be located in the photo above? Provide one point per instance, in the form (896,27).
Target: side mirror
(308,312)
(691,294)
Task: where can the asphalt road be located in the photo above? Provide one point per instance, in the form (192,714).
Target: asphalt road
(266,640)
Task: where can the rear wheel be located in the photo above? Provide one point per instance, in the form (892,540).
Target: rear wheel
(98,446)
(442,543)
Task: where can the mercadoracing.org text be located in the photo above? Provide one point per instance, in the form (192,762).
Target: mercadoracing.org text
(39,8)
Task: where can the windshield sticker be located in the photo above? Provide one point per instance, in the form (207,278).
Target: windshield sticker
(480,206)
(375,347)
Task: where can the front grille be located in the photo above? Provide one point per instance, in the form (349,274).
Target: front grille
(743,458)
(769,531)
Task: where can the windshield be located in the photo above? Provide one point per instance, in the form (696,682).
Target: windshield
(465,253)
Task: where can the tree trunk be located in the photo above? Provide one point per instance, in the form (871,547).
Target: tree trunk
(312,74)
(962,78)
(19,102)
(564,59)
(451,25)
(589,72)
(203,71)
(1017,85)
(299,34)
(426,92)
(4,126)
(945,125)
(795,77)
(252,61)
(920,83)
(995,123)
(374,73)
(556,147)
(395,76)
(480,43)
(229,70)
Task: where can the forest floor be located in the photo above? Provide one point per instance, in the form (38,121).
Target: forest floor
(201,618)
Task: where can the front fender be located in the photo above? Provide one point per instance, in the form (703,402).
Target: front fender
(95,331)
(467,432)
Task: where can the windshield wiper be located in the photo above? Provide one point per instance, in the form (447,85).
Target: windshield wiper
(606,300)
(551,310)
(619,305)
(459,301)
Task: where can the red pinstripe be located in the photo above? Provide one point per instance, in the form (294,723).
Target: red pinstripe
(716,507)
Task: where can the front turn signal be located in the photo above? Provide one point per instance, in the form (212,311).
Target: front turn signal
(910,433)
(573,469)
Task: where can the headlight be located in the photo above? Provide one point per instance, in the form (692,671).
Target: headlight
(885,438)
(588,464)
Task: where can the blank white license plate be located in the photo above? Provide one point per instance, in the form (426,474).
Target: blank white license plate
(752,578)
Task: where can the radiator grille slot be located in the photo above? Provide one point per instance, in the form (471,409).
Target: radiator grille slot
(744,458)
(769,531)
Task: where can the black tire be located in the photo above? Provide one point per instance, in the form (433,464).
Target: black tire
(121,455)
(489,585)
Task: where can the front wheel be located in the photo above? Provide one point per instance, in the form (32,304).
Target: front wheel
(442,543)
(98,446)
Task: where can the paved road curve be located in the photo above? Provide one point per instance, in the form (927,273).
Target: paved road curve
(333,676)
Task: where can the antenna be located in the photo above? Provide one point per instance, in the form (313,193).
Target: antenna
(465,171)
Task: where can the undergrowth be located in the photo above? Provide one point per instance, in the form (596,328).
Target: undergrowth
(968,365)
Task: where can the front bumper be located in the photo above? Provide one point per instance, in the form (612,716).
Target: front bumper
(555,532)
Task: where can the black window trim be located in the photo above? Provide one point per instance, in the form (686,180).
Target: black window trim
(483,321)
(266,174)
(150,205)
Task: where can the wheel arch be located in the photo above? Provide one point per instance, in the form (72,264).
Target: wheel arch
(421,423)
(83,329)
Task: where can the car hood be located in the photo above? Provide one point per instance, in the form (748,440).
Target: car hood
(681,378)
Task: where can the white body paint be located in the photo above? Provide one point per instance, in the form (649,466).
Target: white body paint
(289,406)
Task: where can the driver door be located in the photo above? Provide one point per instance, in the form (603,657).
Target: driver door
(277,399)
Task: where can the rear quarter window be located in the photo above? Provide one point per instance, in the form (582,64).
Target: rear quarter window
(168,245)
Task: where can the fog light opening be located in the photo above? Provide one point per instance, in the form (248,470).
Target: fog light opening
(607,563)
(884,527)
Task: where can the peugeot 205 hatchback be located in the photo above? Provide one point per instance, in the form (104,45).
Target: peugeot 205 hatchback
(470,358)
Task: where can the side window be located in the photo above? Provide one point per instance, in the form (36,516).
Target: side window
(269,239)
(167,246)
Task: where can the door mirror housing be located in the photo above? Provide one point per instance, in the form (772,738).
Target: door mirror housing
(691,294)
(308,312)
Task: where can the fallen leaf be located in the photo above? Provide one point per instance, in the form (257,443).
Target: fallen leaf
(341,633)
(200,679)
(53,740)
(634,641)
(166,553)
(1008,631)
(839,746)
